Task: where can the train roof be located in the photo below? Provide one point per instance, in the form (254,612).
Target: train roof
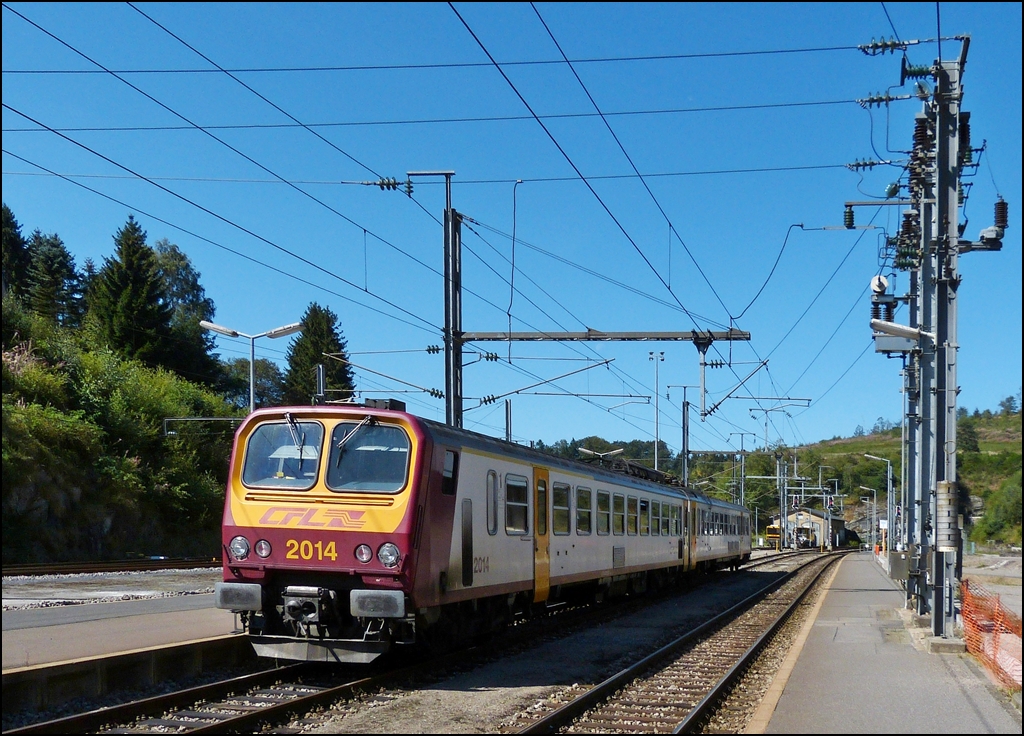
(619,473)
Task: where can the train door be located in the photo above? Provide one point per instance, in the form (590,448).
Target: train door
(692,522)
(684,529)
(541,548)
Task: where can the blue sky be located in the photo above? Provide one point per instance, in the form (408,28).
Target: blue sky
(740,127)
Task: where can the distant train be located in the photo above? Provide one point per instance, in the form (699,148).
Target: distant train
(348,530)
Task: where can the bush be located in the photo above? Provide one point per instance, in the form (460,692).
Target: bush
(88,472)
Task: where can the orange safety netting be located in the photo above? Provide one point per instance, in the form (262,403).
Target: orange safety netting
(992,633)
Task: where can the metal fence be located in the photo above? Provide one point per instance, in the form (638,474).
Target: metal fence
(993,633)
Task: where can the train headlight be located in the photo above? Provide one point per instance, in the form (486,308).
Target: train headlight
(263,548)
(363,553)
(239,548)
(388,554)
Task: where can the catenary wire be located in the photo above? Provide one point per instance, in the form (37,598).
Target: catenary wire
(430,327)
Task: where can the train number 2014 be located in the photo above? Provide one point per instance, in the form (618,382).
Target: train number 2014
(481,564)
(305,550)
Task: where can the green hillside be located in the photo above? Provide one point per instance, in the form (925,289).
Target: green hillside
(989,471)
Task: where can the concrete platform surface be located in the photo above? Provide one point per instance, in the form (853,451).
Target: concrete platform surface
(858,670)
(47,644)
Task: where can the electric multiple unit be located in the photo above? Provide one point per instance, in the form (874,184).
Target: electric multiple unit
(349,530)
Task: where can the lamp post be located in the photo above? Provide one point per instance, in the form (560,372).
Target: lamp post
(657,357)
(874,513)
(888,496)
(830,509)
(274,333)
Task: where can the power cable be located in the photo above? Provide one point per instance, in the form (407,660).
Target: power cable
(857,302)
(841,377)
(464,182)
(886,11)
(633,166)
(770,273)
(288,115)
(453,65)
(637,172)
(568,159)
(825,285)
(445,121)
(231,148)
(432,329)
(227,145)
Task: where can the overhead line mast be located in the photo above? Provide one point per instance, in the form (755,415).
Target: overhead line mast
(928,246)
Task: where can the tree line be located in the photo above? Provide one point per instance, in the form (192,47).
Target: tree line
(95,359)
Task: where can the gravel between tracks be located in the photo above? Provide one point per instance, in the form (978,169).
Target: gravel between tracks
(491,698)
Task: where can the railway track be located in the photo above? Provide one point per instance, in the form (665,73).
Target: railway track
(675,689)
(140,565)
(244,704)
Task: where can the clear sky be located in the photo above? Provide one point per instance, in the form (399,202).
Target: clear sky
(245,132)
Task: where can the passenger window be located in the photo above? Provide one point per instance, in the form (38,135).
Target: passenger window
(583,510)
(631,516)
(492,502)
(645,517)
(655,518)
(542,507)
(677,520)
(604,512)
(517,504)
(666,516)
(618,514)
(560,508)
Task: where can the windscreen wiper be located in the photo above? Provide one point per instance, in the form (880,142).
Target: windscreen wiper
(350,435)
(298,436)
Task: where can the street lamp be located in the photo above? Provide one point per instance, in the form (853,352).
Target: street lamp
(831,509)
(274,333)
(888,496)
(874,513)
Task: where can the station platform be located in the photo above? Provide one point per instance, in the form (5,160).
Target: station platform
(858,668)
(48,635)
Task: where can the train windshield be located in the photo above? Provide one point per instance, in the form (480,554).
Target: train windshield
(368,456)
(283,455)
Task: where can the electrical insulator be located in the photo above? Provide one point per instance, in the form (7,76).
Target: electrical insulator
(890,312)
(408,187)
(876,310)
(913,71)
(848,218)
(1002,214)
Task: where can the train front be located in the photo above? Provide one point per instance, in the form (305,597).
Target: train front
(317,531)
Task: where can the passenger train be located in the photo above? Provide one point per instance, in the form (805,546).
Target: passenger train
(349,530)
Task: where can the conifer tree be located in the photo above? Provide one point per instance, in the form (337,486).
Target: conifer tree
(129,301)
(321,333)
(53,286)
(15,253)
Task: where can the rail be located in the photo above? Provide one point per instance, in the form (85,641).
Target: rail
(130,565)
(720,646)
